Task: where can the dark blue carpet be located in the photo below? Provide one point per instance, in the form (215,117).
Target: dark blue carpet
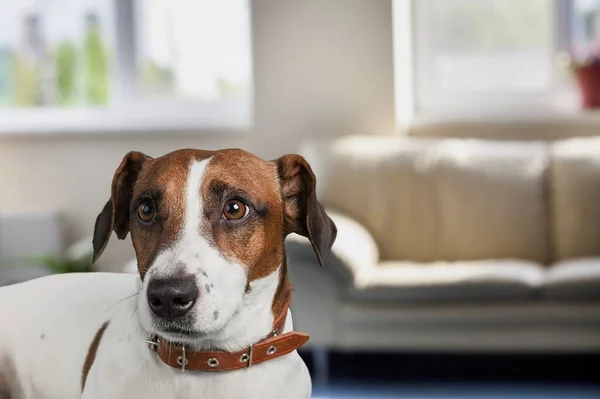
(458,391)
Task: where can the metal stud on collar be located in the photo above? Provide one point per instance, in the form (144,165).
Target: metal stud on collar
(244,358)
(271,350)
(182,360)
(250,353)
(213,362)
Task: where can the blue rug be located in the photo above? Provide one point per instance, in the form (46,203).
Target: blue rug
(442,391)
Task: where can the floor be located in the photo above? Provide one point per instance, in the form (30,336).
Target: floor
(458,391)
(458,376)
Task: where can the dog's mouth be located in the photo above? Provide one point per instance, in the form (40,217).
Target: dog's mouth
(181,332)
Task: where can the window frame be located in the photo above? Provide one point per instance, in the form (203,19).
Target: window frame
(127,112)
(558,97)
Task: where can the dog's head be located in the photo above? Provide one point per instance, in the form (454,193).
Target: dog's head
(205,225)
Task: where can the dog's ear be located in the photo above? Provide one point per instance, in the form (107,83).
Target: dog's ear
(303,213)
(115,214)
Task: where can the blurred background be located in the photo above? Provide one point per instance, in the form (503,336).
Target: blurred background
(456,145)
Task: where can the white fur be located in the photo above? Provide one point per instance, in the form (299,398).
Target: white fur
(221,283)
(49,323)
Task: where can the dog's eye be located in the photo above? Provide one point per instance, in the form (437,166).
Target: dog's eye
(235,210)
(146,210)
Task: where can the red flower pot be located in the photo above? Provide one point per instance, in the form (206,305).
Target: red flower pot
(588,79)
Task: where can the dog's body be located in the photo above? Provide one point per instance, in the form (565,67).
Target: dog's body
(44,350)
(213,277)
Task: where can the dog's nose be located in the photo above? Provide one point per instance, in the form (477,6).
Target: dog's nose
(171,299)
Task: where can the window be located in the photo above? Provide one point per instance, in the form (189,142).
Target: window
(54,53)
(497,54)
(187,59)
(586,27)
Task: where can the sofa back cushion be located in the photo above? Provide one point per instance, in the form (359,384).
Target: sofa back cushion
(438,199)
(575,198)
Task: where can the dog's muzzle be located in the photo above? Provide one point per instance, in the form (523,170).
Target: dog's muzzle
(272,347)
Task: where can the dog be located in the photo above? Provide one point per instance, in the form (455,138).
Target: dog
(207,317)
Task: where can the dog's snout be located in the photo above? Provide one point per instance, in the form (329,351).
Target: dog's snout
(171,299)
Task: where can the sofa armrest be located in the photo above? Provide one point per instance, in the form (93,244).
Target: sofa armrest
(353,251)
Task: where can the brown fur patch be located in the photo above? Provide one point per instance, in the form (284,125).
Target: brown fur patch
(164,180)
(258,241)
(91,355)
(305,215)
(9,380)
(290,172)
(284,288)
(4,386)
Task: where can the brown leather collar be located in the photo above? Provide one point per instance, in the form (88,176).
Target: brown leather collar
(273,346)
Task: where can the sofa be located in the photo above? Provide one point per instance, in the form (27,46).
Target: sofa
(24,236)
(453,245)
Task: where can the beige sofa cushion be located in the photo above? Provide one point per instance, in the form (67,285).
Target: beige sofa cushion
(574,279)
(575,182)
(400,282)
(428,200)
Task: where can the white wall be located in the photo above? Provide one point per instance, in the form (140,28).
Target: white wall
(322,67)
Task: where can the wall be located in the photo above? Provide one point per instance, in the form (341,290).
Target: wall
(321,68)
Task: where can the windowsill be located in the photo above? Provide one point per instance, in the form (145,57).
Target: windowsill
(230,117)
(558,110)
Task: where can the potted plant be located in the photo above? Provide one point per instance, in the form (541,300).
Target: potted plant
(587,76)
(76,259)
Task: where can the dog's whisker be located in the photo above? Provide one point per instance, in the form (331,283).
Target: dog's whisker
(132,313)
(129,319)
(122,300)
